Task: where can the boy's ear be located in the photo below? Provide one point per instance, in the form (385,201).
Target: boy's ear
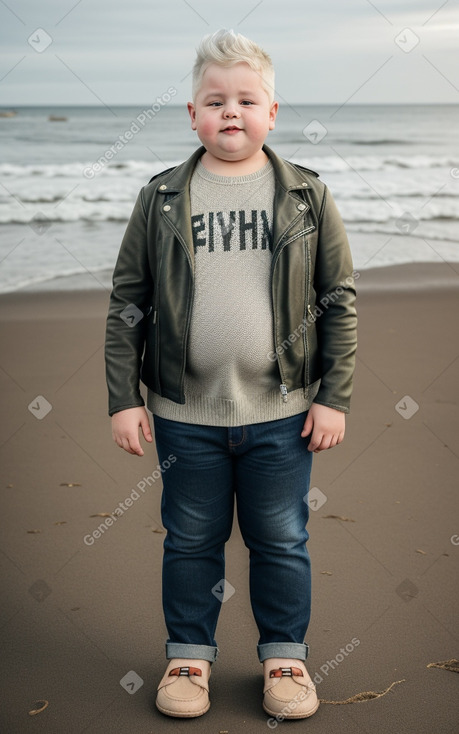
(272,115)
(192,113)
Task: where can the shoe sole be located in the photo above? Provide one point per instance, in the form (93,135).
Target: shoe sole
(185,714)
(292,715)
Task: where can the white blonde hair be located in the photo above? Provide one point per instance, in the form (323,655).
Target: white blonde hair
(227,48)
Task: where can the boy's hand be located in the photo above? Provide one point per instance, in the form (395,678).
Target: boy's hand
(326,425)
(125,429)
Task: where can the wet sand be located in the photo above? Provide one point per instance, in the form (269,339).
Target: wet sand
(77,617)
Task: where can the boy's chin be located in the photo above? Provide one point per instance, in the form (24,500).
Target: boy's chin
(233,156)
(225,156)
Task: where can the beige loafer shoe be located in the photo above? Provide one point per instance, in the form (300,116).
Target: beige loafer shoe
(184,688)
(289,692)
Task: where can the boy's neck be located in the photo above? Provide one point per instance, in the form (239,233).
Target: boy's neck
(234,168)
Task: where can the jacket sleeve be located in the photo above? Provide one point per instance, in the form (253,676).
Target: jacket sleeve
(337,321)
(130,303)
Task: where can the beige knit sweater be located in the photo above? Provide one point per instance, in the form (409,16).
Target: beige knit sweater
(230,379)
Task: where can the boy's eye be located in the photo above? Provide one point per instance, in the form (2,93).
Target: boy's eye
(245,102)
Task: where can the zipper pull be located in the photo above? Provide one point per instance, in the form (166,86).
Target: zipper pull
(154,316)
(283,389)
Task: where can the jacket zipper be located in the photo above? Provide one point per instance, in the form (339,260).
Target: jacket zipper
(156,325)
(189,307)
(187,329)
(283,387)
(308,311)
(188,321)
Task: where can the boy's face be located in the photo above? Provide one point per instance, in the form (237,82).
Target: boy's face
(232,113)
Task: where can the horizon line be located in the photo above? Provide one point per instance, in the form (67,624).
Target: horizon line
(7,107)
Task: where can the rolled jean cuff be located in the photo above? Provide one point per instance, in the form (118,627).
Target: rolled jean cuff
(194,652)
(295,650)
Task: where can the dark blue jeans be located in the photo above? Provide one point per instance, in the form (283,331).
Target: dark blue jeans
(266,467)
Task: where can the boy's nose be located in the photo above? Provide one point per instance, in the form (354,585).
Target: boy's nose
(232,112)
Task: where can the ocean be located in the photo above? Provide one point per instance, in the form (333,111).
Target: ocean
(67,187)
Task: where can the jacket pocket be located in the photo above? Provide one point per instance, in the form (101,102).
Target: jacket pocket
(150,362)
(156,342)
(310,341)
(307,289)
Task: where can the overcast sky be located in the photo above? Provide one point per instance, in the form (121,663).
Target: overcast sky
(327,51)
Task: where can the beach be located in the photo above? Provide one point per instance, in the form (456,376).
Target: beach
(81,619)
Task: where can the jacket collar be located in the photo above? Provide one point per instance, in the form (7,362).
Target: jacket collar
(288,176)
(289,205)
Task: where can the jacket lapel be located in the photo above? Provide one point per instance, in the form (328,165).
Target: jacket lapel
(289,205)
(177,198)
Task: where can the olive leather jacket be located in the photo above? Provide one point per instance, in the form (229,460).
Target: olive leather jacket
(312,286)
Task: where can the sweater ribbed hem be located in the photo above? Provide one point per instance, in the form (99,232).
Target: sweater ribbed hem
(209,411)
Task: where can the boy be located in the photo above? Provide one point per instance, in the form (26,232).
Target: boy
(233,300)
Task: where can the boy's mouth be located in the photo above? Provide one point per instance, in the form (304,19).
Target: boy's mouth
(231,129)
